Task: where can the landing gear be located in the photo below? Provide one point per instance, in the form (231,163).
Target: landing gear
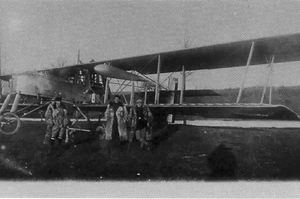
(9,123)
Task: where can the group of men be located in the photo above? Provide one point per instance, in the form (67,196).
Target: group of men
(121,126)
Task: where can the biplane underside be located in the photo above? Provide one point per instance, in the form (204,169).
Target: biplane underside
(194,110)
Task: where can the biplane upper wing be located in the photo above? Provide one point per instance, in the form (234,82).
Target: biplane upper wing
(285,48)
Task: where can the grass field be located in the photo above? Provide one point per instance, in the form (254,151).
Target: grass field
(178,152)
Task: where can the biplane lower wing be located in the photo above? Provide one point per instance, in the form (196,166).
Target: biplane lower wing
(216,110)
(199,110)
(187,93)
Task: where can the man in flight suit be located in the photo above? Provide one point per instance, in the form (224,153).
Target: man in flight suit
(116,115)
(60,121)
(140,118)
(49,121)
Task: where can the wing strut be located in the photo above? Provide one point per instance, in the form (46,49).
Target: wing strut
(145,96)
(246,72)
(156,99)
(132,94)
(106,92)
(182,85)
(268,82)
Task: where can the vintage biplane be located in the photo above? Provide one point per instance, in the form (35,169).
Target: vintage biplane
(87,85)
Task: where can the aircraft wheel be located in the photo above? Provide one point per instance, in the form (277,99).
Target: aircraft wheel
(9,123)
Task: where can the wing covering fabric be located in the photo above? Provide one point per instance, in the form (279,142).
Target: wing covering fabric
(285,48)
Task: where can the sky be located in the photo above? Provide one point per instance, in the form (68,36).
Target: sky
(36,34)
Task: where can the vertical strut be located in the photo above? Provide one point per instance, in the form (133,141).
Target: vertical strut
(106,91)
(245,74)
(268,80)
(182,85)
(156,99)
(132,94)
(146,93)
(270,83)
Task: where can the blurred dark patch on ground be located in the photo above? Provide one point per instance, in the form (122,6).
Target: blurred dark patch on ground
(178,153)
(222,163)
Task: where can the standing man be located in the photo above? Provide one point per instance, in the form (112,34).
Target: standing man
(60,121)
(49,122)
(116,116)
(140,118)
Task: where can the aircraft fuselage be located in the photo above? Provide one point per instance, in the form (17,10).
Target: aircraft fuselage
(45,85)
